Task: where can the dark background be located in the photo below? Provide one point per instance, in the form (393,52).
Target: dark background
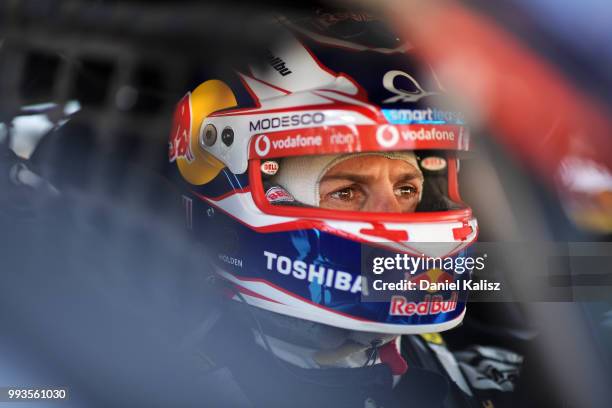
(98,283)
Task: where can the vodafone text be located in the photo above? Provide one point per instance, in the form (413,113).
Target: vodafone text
(297,141)
(389,136)
(428,134)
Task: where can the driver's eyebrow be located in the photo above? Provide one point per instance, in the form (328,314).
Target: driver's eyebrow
(366,178)
(409,176)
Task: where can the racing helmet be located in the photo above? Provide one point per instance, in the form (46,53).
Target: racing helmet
(249,150)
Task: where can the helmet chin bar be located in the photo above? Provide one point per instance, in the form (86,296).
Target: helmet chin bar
(268,297)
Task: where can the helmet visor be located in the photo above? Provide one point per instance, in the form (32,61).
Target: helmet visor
(373,173)
(378,182)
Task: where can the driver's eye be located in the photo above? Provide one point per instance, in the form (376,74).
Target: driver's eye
(344,194)
(406,191)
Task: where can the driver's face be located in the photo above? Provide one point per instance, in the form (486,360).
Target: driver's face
(371,183)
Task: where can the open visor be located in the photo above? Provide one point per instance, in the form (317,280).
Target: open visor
(327,172)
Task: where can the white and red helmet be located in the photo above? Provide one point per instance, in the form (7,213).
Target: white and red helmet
(322,92)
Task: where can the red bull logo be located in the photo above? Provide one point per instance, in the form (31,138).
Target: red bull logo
(430,305)
(179,145)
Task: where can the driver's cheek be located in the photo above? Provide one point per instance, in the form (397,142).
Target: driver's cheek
(410,206)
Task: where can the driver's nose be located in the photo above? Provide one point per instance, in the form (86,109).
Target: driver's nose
(382,199)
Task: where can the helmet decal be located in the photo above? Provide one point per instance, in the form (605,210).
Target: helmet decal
(195,164)
(179,145)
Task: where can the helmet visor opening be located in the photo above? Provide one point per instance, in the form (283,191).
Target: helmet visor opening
(394,182)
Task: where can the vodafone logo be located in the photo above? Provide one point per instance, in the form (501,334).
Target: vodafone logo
(387,136)
(262,145)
